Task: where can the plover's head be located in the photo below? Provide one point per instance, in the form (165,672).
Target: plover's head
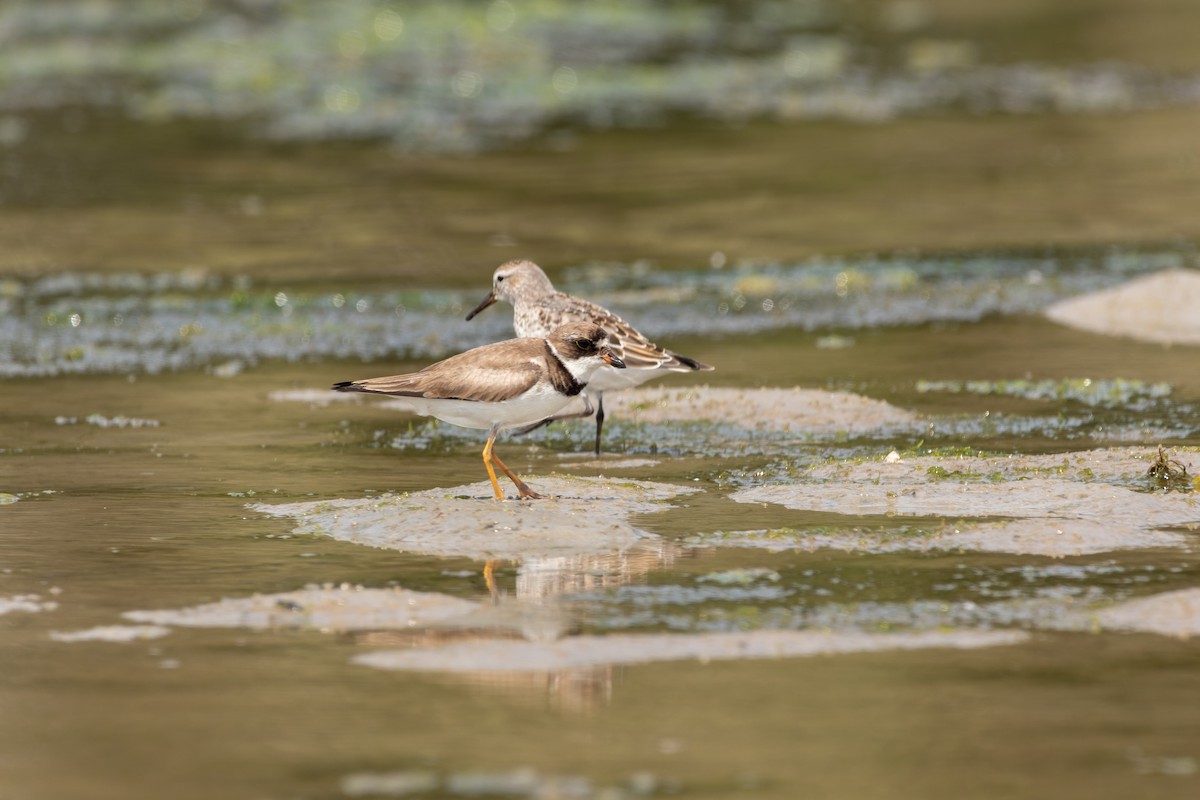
(516,281)
(583,348)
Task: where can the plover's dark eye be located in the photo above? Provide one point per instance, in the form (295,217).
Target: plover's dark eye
(499,278)
(585,345)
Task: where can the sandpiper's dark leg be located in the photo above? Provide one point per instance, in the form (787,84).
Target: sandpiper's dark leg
(599,420)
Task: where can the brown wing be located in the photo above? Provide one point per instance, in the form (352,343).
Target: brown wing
(627,342)
(490,374)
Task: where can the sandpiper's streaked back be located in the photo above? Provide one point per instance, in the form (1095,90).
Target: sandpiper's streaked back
(538,309)
(502,385)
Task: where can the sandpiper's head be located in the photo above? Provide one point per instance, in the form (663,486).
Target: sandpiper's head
(583,348)
(515,281)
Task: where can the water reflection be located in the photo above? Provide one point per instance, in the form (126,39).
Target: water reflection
(577,690)
(548,577)
(540,609)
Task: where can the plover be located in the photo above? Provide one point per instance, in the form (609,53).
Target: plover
(539,309)
(502,385)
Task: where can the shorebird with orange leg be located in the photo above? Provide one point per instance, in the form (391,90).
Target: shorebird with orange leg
(503,385)
(539,309)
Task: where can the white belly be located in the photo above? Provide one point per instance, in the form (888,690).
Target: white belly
(531,407)
(607,379)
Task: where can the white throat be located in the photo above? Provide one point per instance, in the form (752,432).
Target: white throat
(581,369)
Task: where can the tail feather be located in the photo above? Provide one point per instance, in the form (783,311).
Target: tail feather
(394,385)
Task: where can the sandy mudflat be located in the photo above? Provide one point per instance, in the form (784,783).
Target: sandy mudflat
(1055,505)
(1163,307)
(800,411)
(466,521)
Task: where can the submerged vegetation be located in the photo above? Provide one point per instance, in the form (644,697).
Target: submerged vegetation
(1170,474)
(1121,392)
(72,322)
(453,75)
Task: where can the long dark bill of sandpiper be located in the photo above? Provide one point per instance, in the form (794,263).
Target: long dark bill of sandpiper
(487,301)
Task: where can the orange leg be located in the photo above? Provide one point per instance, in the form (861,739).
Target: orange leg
(489,578)
(490,458)
(487,462)
(522,488)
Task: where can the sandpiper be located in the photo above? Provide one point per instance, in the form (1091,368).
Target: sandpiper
(502,385)
(539,309)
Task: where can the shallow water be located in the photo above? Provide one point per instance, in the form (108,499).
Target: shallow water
(111,519)
(161,285)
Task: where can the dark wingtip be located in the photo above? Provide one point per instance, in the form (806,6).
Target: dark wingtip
(693,364)
(344,386)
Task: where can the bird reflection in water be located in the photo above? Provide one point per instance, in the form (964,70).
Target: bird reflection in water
(540,609)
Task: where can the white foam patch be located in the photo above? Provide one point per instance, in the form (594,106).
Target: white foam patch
(589,651)
(1156,308)
(1062,504)
(28,603)
(344,608)
(112,633)
(799,411)
(577,515)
